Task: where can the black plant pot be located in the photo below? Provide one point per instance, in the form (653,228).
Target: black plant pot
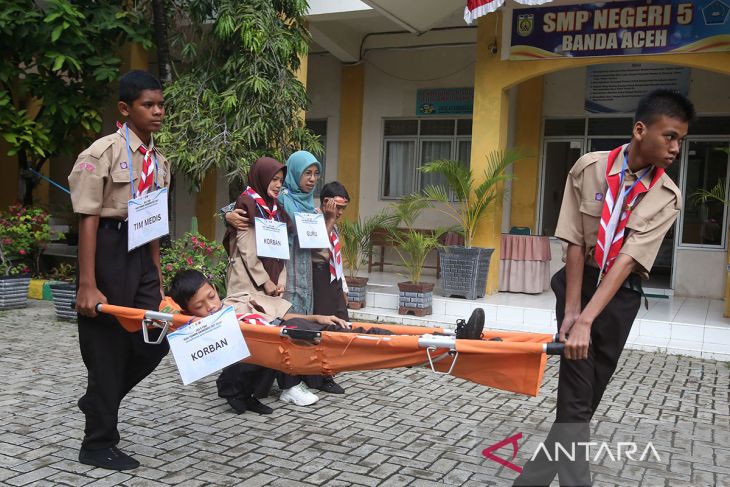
(64,297)
(464,271)
(14,291)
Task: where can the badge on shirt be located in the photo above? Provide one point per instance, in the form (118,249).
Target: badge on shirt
(599,196)
(123,165)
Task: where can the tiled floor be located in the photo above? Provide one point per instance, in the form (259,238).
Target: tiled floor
(678,325)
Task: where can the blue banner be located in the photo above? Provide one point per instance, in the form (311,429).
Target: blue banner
(620,29)
(445,101)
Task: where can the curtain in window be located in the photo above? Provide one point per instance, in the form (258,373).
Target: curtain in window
(433,150)
(399,168)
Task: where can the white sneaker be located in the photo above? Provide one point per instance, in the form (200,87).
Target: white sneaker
(298,395)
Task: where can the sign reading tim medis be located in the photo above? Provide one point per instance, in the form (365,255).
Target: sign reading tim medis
(620,28)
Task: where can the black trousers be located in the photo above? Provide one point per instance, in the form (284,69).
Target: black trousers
(328,296)
(241,380)
(115,359)
(328,300)
(581,383)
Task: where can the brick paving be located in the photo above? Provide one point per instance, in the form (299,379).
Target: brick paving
(395,427)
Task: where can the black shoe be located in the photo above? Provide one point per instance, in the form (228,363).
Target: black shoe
(329,385)
(472,329)
(238,404)
(257,406)
(111,458)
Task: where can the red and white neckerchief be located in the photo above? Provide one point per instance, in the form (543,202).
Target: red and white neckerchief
(253,319)
(260,201)
(617,206)
(147,175)
(335,256)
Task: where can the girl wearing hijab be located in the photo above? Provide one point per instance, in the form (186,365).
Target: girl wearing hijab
(247,272)
(297,196)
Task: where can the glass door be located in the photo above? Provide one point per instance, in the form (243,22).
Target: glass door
(558,157)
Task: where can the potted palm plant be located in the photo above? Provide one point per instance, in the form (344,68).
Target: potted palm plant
(415,297)
(63,291)
(356,248)
(464,270)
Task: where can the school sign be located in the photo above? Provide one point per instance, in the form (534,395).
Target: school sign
(620,28)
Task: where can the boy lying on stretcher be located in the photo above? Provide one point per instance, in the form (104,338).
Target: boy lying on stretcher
(197,297)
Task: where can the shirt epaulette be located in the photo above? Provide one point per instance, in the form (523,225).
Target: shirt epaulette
(585,161)
(101,145)
(669,184)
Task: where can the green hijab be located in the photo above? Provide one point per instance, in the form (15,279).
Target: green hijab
(292,197)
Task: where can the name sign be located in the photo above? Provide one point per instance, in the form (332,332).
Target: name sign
(271,239)
(147,218)
(208,345)
(311,231)
(620,28)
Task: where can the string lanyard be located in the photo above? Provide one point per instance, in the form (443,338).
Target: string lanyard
(268,217)
(129,156)
(638,178)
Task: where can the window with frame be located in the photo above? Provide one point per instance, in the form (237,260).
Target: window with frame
(704,223)
(409,144)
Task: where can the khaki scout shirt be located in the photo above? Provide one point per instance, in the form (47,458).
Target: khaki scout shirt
(267,306)
(649,221)
(246,272)
(99,180)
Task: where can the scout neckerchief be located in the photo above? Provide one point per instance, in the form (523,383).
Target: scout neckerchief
(615,212)
(147,176)
(335,256)
(261,203)
(253,319)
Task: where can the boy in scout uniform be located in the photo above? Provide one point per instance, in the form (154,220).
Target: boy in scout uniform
(115,169)
(616,209)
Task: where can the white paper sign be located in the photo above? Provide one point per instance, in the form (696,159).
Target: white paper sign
(147,218)
(271,239)
(208,345)
(311,231)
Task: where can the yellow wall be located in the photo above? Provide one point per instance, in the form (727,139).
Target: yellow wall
(205,205)
(351,108)
(489,132)
(494,76)
(527,137)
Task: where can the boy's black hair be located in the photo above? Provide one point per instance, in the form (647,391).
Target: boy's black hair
(664,102)
(332,189)
(131,84)
(184,286)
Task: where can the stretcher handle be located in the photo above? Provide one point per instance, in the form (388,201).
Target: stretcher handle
(554,348)
(155,319)
(305,335)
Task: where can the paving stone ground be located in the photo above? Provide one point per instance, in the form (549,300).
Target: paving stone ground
(394,427)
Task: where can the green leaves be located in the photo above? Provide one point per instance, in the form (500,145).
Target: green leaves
(356,236)
(59,55)
(473,196)
(239,98)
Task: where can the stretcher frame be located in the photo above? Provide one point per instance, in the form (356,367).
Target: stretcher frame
(515,364)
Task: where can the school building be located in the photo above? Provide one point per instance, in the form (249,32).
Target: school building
(394,85)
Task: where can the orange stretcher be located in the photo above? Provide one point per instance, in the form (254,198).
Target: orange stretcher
(516,363)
